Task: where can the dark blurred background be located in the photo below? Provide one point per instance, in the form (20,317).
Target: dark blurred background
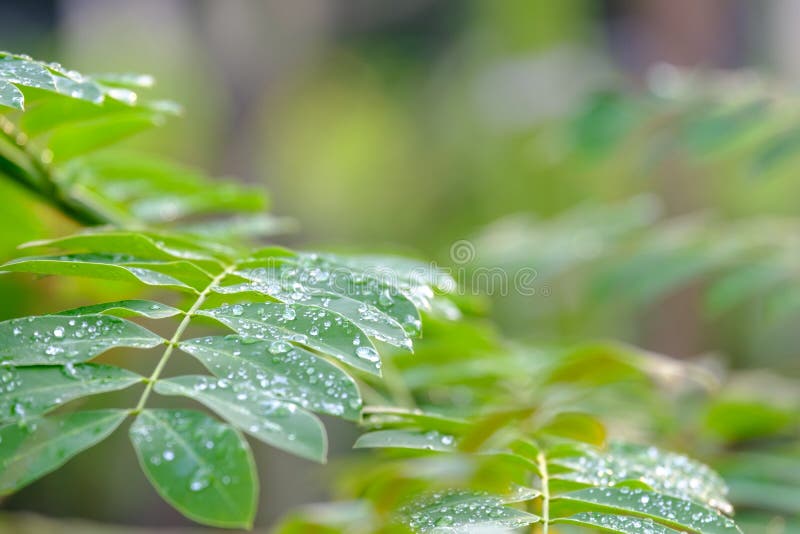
(389,125)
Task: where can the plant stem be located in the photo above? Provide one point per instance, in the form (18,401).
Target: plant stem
(176,337)
(542,461)
(22,164)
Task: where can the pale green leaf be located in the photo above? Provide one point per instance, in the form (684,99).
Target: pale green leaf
(25,72)
(202,467)
(431,440)
(621,524)
(372,321)
(127,308)
(136,244)
(37,447)
(10,96)
(103,266)
(665,472)
(312,326)
(463,512)
(56,339)
(27,392)
(671,511)
(312,275)
(282,370)
(275,422)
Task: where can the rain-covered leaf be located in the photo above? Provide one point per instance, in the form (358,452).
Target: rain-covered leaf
(314,276)
(431,440)
(622,524)
(106,267)
(371,320)
(33,449)
(27,392)
(278,423)
(136,244)
(677,513)
(10,96)
(312,326)
(127,308)
(665,472)
(202,467)
(54,339)
(282,370)
(463,512)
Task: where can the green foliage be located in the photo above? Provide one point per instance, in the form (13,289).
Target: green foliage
(469,433)
(291,313)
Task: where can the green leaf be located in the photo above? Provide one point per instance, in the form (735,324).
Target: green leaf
(134,244)
(105,267)
(285,372)
(10,96)
(71,140)
(202,467)
(463,512)
(54,339)
(25,72)
(432,440)
(127,308)
(372,321)
(27,392)
(311,275)
(312,326)
(621,524)
(665,472)
(275,422)
(31,450)
(671,511)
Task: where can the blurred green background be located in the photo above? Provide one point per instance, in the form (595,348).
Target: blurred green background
(408,126)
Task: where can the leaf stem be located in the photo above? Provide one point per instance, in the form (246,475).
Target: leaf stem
(31,169)
(176,337)
(541,460)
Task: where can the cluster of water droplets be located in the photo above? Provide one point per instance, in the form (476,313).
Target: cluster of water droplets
(312,326)
(52,339)
(23,70)
(664,507)
(622,523)
(453,511)
(188,444)
(282,370)
(665,472)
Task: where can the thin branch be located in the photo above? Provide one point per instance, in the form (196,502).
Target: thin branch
(23,165)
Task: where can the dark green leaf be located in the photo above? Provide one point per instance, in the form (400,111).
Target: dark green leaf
(27,392)
(37,447)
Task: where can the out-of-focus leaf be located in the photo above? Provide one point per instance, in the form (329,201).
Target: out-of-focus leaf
(27,392)
(462,511)
(33,449)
